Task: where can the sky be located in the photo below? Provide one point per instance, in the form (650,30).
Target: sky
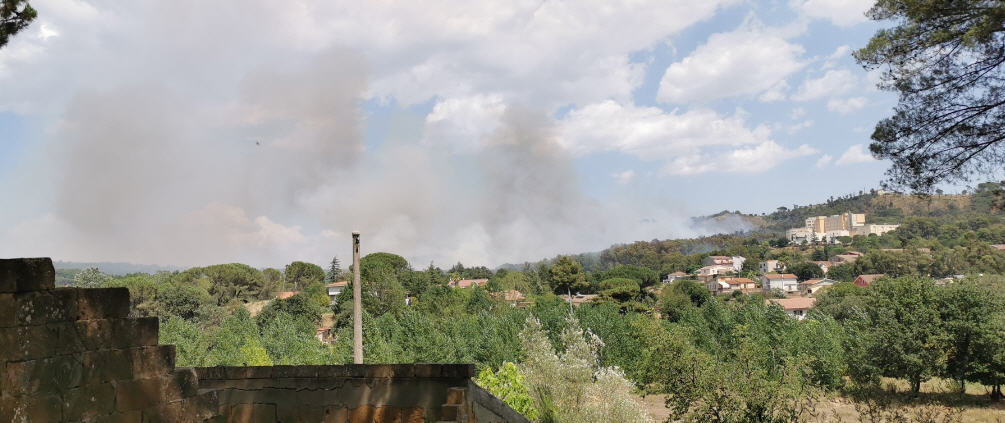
(265,131)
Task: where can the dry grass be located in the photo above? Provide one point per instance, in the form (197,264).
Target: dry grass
(940,395)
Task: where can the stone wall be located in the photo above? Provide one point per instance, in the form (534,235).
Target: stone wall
(354,393)
(75,355)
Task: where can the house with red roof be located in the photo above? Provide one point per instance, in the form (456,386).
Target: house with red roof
(866,280)
(795,307)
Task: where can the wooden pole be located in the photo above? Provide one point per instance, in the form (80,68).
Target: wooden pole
(357,304)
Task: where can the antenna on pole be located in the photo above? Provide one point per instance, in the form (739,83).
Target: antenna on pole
(357,304)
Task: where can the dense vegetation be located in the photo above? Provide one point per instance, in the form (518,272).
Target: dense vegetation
(725,358)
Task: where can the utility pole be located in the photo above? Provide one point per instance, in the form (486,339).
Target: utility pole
(357,304)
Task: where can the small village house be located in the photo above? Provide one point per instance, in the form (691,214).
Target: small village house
(866,279)
(771,266)
(824,265)
(334,289)
(673,277)
(795,307)
(784,282)
(467,283)
(810,287)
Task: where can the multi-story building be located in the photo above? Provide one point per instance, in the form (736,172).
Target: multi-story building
(830,228)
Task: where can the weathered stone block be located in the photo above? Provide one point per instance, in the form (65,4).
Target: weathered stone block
(456,396)
(88,401)
(27,274)
(38,307)
(42,408)
(251,413)
(288,413)
(103,303)
(138,394)
(120,417)
(379,371)
(426,370)
(336,414)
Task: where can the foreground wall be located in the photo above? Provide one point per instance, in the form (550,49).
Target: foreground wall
(75,355)
(354,393)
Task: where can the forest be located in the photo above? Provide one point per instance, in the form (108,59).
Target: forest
(710,358)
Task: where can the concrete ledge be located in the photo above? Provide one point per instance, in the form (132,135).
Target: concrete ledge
(353,371)
(27,274)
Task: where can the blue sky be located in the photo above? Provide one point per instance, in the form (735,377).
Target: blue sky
(184,133)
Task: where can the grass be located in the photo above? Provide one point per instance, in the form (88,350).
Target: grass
(938,399)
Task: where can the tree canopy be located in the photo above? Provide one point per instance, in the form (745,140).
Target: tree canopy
(944,58)
(15,15)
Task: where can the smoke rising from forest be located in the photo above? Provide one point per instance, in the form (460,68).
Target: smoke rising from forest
(218,152)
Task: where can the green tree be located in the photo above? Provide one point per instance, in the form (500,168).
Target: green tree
(944,58)
(334,270)
(300,274)
(902,331)
(567,276)
(508,385)
(15,15)
(806,270)
(972,312)
(90,277)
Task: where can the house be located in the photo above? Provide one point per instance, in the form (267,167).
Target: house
(785,282)
(771,266)
(512,297)
(810,287)
(739,283)
(467,283)
(336,288)
(824,265)
(847,257)
(673,277)
(866,280)
(710,272)
(874,229)
(578,299)
(325,335)
(795,307)
(282,295)
(998,247)
(717,286)
(736,262)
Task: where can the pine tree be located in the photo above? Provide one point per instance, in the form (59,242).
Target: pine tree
(334,270)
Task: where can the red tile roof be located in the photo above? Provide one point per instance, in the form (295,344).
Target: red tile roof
(780,276)
(286,294)
(798,303)
(866,280)
(339,283)
(464,283)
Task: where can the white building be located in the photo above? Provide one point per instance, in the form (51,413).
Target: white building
(336,288)
(795,307)
(785,282)
(771,266)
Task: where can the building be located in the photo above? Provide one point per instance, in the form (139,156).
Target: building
(824,265)
(282,295)
(467,283)
(866,280)
(830,228)
(673,277)
(578,299)
(998,247)
(874,229)
(513,297)
(736,262)
(709,272)
(795,307)
(810,287)
(784,282)
(847,257)
(334,289)
(771,266)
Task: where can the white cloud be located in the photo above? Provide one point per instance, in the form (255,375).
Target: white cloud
(745,62)
(824,160)
(650,133)
(840,53)
(839,12)
(797,113)
(463,122)
(792,129)
(775,93)
(624,177)
(753,159)
(834,82)
(854,155)
(847,105)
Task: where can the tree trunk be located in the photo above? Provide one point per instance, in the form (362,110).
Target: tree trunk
(996,393)
(915,386)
